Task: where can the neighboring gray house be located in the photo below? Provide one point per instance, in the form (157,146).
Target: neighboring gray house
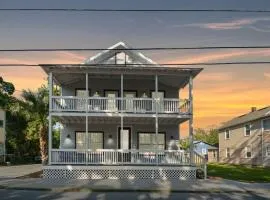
(120,108)
(246,139)
(210,152)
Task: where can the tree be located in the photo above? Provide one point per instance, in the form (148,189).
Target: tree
(209,136)
(6,90)
(185,144)
(36,107)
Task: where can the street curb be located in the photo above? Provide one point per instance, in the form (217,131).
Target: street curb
(84,189)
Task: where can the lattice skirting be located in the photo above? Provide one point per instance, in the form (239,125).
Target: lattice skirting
(120,172)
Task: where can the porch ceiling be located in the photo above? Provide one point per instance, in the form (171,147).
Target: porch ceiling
(170,80)
(117,120)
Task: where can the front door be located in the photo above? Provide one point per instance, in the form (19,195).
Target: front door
(160,100)
(81,102)
(124,138)
(111,104)
(129,98)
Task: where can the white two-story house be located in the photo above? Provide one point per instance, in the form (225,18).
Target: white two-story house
(120,114)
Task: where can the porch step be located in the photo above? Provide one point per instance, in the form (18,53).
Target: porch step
(119,172)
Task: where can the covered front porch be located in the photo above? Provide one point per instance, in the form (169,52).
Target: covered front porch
(102,140)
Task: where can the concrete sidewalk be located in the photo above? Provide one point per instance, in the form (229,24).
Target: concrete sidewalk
(18,170)
(61,185)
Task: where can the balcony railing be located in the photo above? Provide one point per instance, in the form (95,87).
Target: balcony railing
(126,105)
(119,157)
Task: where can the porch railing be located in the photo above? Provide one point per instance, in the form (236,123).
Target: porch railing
(119,157)
(200,162)
(126,105)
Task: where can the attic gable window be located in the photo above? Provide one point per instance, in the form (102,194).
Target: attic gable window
(120,58)
(247,130)
(227,134)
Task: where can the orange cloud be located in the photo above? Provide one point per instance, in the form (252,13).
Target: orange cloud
(215,56)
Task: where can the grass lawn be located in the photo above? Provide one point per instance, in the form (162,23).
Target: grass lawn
(239,173)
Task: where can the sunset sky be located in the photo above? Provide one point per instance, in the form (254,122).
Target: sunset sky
(220,92)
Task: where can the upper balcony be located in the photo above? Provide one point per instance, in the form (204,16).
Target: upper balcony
(120,105)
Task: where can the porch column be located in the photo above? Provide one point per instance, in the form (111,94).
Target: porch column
(50,117)
(122,105)
(156,118)
(86,110)
(191,119)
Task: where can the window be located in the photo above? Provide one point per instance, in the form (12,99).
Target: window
(228,153)
(204,151)
(227,134)
(266,124)
(92,140)
(248,151)
(267,150)
(1,123)
(247,130)
(147,141)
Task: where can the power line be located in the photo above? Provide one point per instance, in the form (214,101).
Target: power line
(142,48)
(133,10)
(159,64)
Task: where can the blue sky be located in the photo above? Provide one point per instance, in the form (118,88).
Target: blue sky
(235,88)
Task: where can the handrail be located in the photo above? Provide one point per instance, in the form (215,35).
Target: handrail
(116,104)
(200,162)
(118,156)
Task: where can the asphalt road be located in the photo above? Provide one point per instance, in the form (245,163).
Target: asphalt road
(44,195)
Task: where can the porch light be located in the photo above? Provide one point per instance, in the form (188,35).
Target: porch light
(144,95)
(96,94)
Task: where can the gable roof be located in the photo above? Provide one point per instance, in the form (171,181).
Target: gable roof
(120,59)
(248,117)
(209,145)
(119,48)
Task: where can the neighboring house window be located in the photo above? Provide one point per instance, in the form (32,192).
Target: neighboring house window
(228,153)
(267,149)
(93,139)
(247,130)
(1,123)
(266,124)
(147,141)
(204,151)
(227,134)
(248,151)
(214,154)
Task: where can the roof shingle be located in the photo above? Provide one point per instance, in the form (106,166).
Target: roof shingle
(251,116)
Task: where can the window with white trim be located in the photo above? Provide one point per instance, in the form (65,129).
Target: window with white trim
(266,124)
(92,140)
(267,150)
(204,151)
(147,141)
(248,153)
(1,123)
(227,134)
(247,129)
(228,153)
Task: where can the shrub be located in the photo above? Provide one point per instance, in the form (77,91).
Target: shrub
(200,174)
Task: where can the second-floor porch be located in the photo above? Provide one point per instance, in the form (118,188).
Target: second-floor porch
(120,105)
